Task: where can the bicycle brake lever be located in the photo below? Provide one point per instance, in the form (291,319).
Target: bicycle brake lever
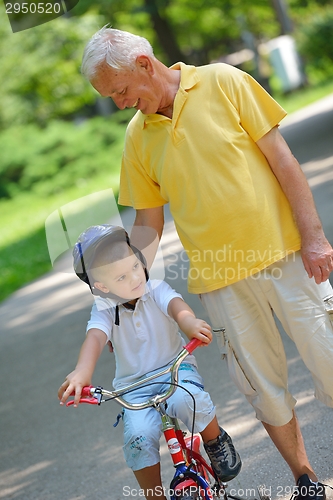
(90,401)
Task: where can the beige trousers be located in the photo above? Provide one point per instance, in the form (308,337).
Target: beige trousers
(242,316)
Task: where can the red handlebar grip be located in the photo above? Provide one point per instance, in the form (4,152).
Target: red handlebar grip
(193,344)
(85,391)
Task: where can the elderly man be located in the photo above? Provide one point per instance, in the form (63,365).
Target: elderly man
(206,141)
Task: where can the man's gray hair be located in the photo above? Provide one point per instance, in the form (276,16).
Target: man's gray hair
(119,49)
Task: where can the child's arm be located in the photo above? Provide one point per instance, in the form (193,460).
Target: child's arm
(90,352)
(192,327)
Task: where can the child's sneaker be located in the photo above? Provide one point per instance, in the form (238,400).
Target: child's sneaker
(226,462)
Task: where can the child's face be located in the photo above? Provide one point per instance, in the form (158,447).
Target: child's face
(125,278)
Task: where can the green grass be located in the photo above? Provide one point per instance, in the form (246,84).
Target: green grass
(23,248)
(24,253)
(303,97)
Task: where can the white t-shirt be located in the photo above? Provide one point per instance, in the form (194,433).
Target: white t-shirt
(146,338)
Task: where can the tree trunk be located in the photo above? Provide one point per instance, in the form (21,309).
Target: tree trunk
(164,33)
(282,16)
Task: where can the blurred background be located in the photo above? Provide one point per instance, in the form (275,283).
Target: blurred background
(59,141)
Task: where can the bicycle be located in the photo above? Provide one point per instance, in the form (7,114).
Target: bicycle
(194,478)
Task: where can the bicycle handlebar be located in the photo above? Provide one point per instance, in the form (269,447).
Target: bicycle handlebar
(192,345)
(93,395)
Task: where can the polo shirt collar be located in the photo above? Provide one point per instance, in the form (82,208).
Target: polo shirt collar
(106,303)
(188,75)
(188,78)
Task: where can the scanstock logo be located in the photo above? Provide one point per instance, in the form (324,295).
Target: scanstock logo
(24,14)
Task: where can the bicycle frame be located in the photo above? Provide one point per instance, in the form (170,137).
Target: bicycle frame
(192,470)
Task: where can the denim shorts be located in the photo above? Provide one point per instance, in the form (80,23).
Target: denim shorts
(142,428)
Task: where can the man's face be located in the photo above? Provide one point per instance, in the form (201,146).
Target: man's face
(131,88)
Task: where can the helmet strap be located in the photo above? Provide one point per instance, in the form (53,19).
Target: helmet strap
(83,266)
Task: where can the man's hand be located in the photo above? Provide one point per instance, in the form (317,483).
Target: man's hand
(317,256)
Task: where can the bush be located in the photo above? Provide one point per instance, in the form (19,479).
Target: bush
(46,169)
(315,41)
(60,155)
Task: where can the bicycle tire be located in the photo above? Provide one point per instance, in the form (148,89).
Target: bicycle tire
(237,497)
(190,494)
(262,492)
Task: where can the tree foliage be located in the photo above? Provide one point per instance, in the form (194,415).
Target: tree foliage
(40,78)
(315,40)
(63,154)
(40,70)
(195,31)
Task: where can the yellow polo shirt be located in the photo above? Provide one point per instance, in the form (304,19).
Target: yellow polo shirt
(229,210)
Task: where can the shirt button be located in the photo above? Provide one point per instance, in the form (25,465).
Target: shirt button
(138,324)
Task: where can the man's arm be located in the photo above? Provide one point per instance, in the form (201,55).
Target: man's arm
(317,253)
(147,231)
(151,217)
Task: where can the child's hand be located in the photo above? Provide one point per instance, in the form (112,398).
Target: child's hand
(90,351)
(74,383)
(196,328)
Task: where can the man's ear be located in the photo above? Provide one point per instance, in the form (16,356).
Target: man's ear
(100,286)
(145,63)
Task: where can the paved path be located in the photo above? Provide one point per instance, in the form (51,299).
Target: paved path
(52,453)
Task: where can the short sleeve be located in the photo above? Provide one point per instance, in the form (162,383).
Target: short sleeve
(137,187)
(102,320)
(258,111)
(162,293)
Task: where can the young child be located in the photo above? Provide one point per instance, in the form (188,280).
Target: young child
(139,318)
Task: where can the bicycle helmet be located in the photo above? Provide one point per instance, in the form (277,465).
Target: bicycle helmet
(90,241)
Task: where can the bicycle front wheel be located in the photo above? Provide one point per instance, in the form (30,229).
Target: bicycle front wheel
(191,493)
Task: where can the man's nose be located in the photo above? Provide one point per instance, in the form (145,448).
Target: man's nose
(119,102)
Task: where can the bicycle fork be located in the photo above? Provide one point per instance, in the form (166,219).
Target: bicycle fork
(185,476)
